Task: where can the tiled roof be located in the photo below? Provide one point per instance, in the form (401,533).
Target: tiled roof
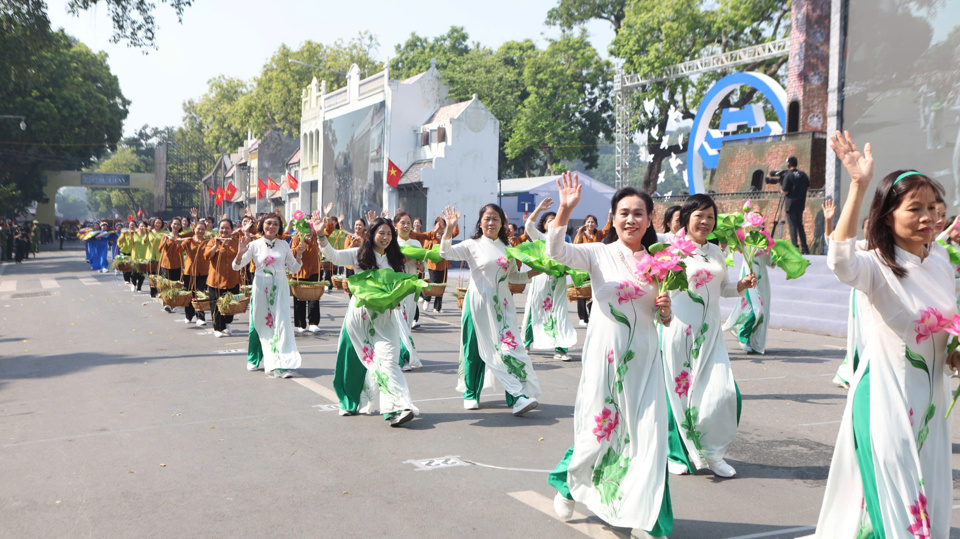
(445,113)
(295,158)
(412,174)
(230,172)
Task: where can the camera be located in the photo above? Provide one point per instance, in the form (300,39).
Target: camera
(774,177)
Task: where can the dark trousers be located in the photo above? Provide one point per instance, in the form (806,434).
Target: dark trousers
(220,321)
(137,280)
(194,284)
(795,220)
(438,277)
(583,308)
(126,276)
(328,276)
(172,274)
(300,316)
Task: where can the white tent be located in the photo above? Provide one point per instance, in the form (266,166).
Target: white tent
(594,199)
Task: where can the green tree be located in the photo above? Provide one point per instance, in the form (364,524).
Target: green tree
(105,202)
(133,20)
(72,203)
(569,14)
(73,104)
(568,107)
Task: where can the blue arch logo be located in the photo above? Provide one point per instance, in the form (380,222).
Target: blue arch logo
(704,146)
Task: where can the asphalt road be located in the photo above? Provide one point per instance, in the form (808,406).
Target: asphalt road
(118,421)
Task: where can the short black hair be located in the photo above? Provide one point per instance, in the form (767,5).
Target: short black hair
(791,161)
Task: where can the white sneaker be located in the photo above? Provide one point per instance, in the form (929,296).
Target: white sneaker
(252,367)
(406,367)
(133,288)
(299,330)
(346,413)
(314,329)
(563,506)
(201,323)
(746,348)
(524,405)
(283,373)
(227,332)
(838,381)
(415,325)
(218,334)
(439,311)
(167,308)
(471,405)
(583,324)
(562,357)
(720,468)
(676,468)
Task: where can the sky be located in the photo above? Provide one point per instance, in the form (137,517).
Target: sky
(236,37)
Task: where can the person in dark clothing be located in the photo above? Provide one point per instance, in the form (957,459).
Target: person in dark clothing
(794,189)
(22,245)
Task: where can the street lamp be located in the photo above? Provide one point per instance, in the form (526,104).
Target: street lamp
(298,62)
(23,120)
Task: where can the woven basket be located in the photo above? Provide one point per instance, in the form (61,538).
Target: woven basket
(307,293)
(434,290)
(517,288)
(571,294)
(339,283)
(152,280)
(582,292)
(461,297)
(201,305)
(181,299)
(125,267)
(238,307)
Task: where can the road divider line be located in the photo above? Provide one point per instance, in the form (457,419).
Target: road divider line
(820,423)
(89,281)
(591,527)
(323,391)
(777,532)
(49,283)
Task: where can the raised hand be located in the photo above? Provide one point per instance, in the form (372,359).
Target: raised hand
(244,243)
(327,209)
(301,248)
(194,213)
(859,165)
(451,216)
(371,217)
(570,188)
(829,209)
(544,205)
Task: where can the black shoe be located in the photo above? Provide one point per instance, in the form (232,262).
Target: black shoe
(404,417)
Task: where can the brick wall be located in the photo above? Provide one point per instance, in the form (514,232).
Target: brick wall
(809,62)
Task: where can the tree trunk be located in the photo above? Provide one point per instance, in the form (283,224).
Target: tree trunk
(653,170)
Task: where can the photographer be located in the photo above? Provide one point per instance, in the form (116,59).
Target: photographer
(794,188)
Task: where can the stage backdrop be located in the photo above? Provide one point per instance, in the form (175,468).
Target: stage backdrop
(901,88)
(353,162)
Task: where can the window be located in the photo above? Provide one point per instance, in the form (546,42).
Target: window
(442,134)
(756,181)
(425,138)
(793,117)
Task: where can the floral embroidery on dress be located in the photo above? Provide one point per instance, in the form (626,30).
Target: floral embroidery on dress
(367,358)
(502,262)
(269,320)
(607,421)
(610,356)
(683,383)
(930,322)
(628,291)
(921,518)
(548,304)
(701,278)
(269,260)
(508,340)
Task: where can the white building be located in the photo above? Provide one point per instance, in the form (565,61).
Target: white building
(447,152)
(595,198)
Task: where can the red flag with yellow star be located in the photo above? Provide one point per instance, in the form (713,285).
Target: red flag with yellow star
(220,194)
(393,174)
(230,192)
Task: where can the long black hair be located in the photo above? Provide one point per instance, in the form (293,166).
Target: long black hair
(887,198)
(542,223)
(668,216)
(367,257)
(502,235)
(695,203)
(650,236)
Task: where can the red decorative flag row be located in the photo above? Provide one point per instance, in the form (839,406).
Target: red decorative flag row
(272,185)
(261,189)
(220,194)
(230,191)
(292,182)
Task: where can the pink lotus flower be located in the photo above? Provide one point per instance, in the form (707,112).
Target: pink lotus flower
(269,260)
(741,235)
(954,327)
(752,220)
(505,303)
(921,524)
(363,315)
(628,291)
(367,355)
(930,322)
(502,262)
(269,320)
(610,356)
(911,417)
(680,242)
(683,383)
(547,304)
(747,206)
(658,266)
(508,340)
(701,278)
(770,240)
(298,214)
(744,302)
(404,315)
(688,330)
(605,424)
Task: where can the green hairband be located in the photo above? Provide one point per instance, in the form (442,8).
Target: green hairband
(905,174)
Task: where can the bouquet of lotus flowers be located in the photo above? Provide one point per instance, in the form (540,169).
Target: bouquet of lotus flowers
(300,223)
(744,232)
(663,264)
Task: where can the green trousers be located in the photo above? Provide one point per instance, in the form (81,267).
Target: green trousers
(473,365)
(677,452)
(254,350)
(864,449)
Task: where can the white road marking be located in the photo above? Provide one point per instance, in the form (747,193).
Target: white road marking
(820,423)
(482,465)
(323,391)
(426,465)
(233,351)
(8,286)
(591,527)
(49,283)
(778,532)
(89,281)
